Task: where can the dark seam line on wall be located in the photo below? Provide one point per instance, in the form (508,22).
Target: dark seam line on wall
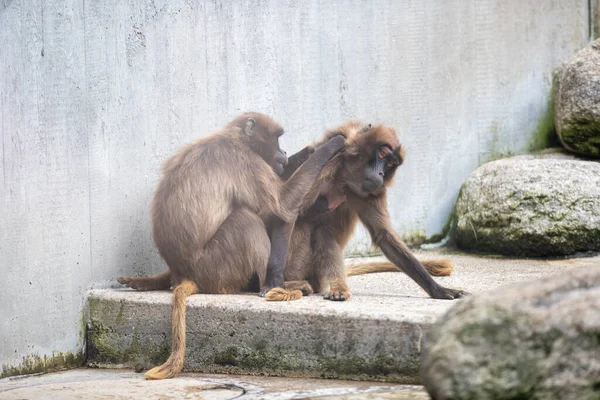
(85,74)
(206,83)
(591,20)
(3,143)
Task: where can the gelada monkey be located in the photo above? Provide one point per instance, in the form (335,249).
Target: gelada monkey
(352,187)
(306,223)
(211,210)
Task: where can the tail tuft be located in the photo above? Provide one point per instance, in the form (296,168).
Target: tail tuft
(442,267)
(280,294)
(169,369)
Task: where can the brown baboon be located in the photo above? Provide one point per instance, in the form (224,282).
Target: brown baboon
(210,211)
(351,188)
(435,267)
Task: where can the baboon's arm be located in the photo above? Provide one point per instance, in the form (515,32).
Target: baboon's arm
(292,196)
(374,215)
(295,161)
(295,189)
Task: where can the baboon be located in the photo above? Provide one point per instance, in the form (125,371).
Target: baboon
(310,217)
(352,187)
(211,209)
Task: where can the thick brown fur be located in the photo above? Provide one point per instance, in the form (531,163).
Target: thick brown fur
(316,248)
(292,290)
(317,245)
(174,364)
(211,210)
(434,267)
(281,294)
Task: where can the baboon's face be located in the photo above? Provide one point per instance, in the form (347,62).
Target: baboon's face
(264,134)
(376,154)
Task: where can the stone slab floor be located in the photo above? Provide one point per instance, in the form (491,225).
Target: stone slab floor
(118,384)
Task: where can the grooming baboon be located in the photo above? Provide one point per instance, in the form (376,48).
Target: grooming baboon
(352,187)
(310,218)
(209,214)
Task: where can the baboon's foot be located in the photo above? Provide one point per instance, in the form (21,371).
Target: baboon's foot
(139,284)
(338,291)
(302,286)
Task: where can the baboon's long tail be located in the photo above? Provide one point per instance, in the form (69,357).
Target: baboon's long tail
(440,267)
(174,364)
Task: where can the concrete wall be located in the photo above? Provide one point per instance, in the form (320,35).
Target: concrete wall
(96,94)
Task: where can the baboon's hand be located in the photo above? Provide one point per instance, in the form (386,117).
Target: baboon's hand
(300,157)
(328,149)
(295,161)
(332,146)
(448,294)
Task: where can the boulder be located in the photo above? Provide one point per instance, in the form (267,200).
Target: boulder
(529,206)
(537,340)
(577,102)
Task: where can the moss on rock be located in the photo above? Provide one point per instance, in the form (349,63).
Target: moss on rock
(582,136)
(530,207)
(535,340)
(578,102)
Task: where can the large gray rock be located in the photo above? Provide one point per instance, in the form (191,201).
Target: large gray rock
(577,105)
(530,207)
(538,340)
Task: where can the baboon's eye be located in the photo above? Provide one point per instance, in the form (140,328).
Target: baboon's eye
(383,152)
(389,163)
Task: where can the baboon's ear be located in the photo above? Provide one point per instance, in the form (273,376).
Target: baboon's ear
(400,154)
(364,129)
(249,128)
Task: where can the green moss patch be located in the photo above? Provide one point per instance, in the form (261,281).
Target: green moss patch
(414,239)
(544,134)
(259,360)
(582,136)
(105,346)
(34,363)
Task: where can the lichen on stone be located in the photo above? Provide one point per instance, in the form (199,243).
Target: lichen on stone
(530,207)
(577,106)
(583,136)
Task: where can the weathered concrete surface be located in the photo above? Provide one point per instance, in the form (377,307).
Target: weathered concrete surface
(95,95)
(103,384)
(375,336)
(538,340)
(526,206)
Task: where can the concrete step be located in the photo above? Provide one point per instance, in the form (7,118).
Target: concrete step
(377,335)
